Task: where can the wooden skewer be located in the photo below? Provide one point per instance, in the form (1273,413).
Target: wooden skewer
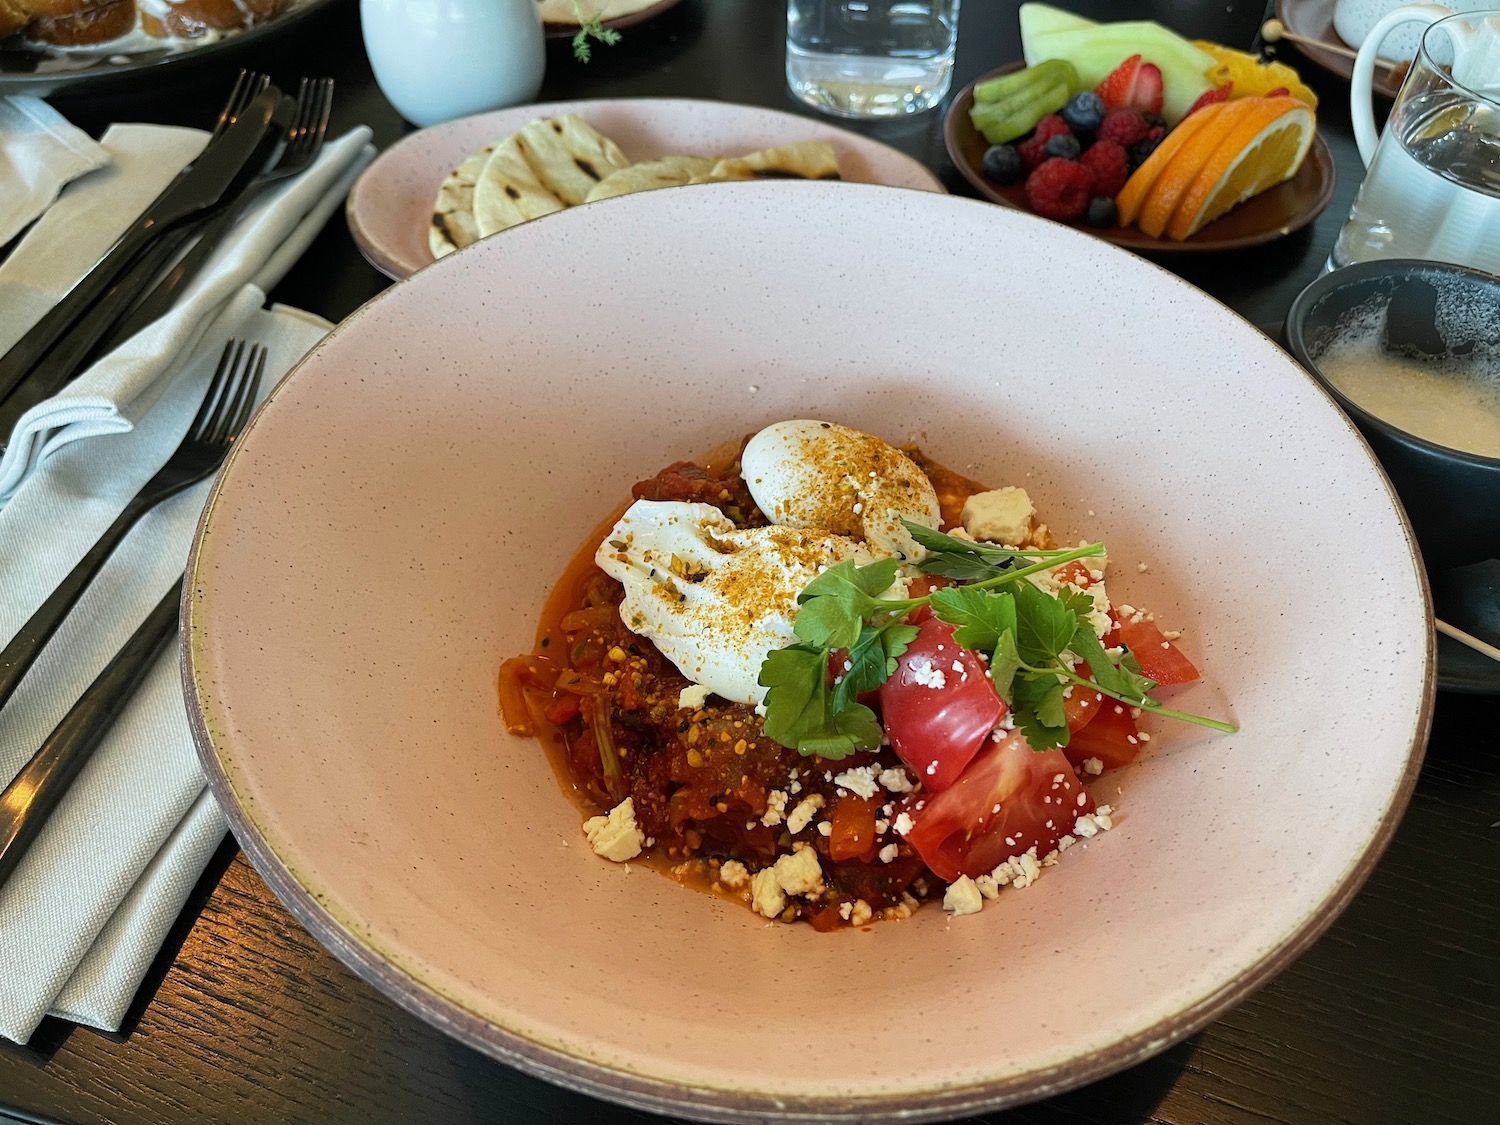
(1273,30)
(1466,638)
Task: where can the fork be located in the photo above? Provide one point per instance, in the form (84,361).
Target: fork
(304,140)
(71,344)
(226,407)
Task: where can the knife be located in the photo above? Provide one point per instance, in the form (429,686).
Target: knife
(53,370)
(198,189)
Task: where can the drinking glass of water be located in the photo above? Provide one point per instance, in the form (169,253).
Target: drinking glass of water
(1433,186)
(870,58)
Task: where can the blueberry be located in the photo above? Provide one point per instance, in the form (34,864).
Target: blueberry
(1083,112)
(1142,149)
(1064,145)
(1003,164)
(1101,212)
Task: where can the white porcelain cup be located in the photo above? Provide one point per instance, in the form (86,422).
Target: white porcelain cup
(440,59)
(1355,19)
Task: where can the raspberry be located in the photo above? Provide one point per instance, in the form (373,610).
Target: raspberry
(1109,164)
(1031,149)
(1124,126)
(1059,189)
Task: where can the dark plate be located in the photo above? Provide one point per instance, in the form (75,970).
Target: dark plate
(566,30)
(1269,216)
(1313,19)
(28,70)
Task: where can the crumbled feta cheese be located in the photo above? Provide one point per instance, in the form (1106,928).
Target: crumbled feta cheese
(802,815)
(845,909)
(1094,766)
(766,895)
(732,874)
(988,887)
(963,897)
(860,780)
(616,836)
(889,853)
(692,697)
(775,808)
(799,873)
(824,828)
(861,914)
(903,824)
(1002,515)
(895,780)
(924,673)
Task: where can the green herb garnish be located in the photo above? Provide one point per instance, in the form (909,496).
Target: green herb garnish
(1030,637)
(590,27)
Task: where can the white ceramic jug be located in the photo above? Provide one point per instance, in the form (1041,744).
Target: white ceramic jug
(440,59)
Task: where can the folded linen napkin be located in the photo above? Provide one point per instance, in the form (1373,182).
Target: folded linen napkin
(39,153)
(86,910)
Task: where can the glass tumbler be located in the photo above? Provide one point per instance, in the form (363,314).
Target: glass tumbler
(870,58)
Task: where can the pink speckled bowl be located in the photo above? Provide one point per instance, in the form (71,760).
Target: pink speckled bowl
(385,533)
(390,207)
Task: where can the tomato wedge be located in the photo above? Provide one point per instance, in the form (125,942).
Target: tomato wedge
(1009,799)
(938,707)
(1111,736)
(1158,657)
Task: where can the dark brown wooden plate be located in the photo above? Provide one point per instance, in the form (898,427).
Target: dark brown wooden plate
(567,30)
(1269,216)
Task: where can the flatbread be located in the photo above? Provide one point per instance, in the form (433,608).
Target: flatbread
(561,11)
(453,227)
(569,156)
(803,160)
(669,171)
(508,191)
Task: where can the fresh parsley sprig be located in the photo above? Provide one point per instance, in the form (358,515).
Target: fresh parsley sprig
(590,27)
(1032,640)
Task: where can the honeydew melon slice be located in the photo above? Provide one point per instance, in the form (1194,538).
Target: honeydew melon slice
(1040,19)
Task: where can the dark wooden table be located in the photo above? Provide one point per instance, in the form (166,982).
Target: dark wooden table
(1393,1016)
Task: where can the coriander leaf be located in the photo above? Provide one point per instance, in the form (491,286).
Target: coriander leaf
(1039,710)
(801,711)
(982,616)
(797,701)
(850,730)
(1076,602)
(872,660)
(1004,664)
(835,604)
(1135,682)
(1086,644)
(960,568)
(1044,626)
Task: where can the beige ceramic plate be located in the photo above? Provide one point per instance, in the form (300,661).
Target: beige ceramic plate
(390,206)
(384,534)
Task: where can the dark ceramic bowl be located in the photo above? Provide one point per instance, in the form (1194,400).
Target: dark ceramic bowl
(1452,497)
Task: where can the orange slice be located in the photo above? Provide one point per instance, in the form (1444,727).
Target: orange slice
(1130,197)
(1261,149)
(1253,76)
(1184,167)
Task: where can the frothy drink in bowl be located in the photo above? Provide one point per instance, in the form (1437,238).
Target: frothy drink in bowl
(1451,399)
(1433,186)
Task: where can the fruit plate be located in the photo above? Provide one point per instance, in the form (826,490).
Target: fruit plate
(385,531)
(1269,216)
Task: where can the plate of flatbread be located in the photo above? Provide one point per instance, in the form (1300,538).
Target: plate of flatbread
(443,188)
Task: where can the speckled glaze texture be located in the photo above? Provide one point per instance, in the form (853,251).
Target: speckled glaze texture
(390,206)
(385,533)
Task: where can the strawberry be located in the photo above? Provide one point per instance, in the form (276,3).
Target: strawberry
(1209,97)
(1132,83)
